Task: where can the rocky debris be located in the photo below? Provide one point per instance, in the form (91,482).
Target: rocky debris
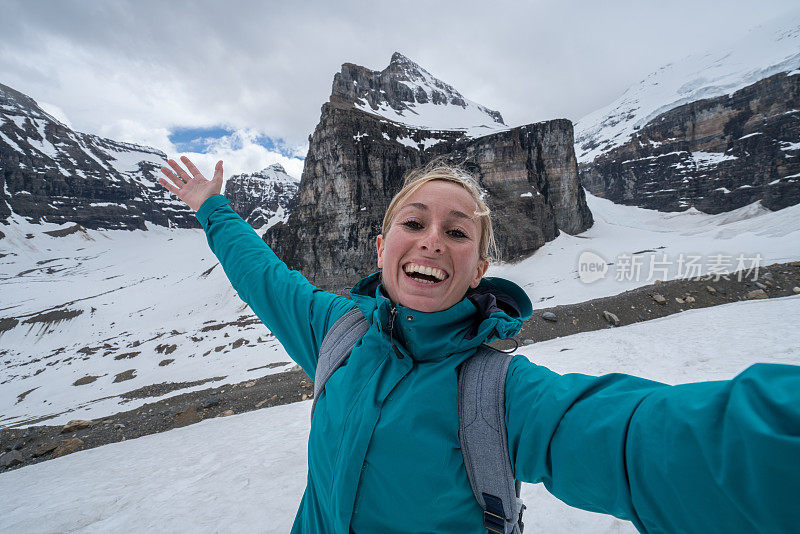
(716,154)
(796,289)
(549,316)
(54,174)
(10,459)
(261,196)
(68,446)
(757,294)
(130,374)
(85,380)
(711,290)
(659,298)
(761,286)
(166,362)
(76,424)
(45,448)
(189,416)
(226,413)
(637,305)
(211,402)
(611,318)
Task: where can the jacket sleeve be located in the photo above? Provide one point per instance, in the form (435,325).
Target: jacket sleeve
(296,312)
(704,457)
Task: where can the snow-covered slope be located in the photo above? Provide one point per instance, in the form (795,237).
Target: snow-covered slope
(766,50)
(407,93)
(661,240)
(246,473)
(100,303)
(92,315)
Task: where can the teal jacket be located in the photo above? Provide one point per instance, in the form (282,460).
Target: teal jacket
(384,453)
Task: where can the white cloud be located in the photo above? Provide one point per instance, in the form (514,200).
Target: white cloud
(147,67)
(241,153)
(56,112)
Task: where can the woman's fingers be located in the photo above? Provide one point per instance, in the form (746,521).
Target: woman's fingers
(171,188)
(179,171)
(192,169)
(218,172)
(171,175)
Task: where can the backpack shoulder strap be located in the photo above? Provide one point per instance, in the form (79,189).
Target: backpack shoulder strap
(336,347)
(484,439)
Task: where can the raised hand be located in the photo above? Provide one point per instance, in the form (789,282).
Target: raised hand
(191,187)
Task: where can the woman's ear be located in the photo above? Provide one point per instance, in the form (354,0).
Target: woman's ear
(480,270)
(379,245)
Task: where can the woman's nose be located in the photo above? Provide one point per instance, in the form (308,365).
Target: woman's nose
(431,241)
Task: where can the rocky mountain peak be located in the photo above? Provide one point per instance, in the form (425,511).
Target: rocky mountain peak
(262,198)
(407,93)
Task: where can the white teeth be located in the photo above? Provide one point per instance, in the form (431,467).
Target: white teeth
(429,271)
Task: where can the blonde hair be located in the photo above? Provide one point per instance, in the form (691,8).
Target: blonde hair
(487,247)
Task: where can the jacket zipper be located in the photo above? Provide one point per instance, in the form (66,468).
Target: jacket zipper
(392,316)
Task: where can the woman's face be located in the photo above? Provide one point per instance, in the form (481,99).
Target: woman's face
(430,254)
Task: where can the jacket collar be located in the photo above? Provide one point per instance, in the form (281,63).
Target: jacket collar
(494,310)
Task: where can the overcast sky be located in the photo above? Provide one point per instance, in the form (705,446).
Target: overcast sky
(253,75)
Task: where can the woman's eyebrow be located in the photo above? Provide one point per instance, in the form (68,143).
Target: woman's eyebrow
(423,207)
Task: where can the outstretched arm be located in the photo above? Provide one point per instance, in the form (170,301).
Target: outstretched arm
(298,313)
(706,457)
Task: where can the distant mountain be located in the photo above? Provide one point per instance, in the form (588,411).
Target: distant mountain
(715,131)
(51,173)
(262,198)
(405,92)
(376,127)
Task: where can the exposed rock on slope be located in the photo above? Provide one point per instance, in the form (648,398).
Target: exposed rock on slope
(356,162)
(263,197)
(717,154)
(50,173)
(714,131)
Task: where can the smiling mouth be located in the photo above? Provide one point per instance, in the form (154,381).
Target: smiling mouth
(426,275)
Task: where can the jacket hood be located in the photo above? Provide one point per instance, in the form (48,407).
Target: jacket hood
(494,310)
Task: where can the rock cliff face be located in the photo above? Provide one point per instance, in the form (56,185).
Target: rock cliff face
(49,173)
(262,198)
(716,154)
(356,162)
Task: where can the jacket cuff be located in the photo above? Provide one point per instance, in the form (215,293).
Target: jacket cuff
(211,204)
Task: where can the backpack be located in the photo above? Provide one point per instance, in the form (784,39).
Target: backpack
(484,439)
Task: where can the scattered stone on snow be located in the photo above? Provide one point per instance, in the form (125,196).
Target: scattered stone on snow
(611,318)
(168,361)
(189,416)
(68,446)
(130,374)
(76,424)
(85,380)
(757,294)
(44,448)
(10,459)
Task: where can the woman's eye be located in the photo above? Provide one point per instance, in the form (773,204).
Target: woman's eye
(412,225)
(458,234)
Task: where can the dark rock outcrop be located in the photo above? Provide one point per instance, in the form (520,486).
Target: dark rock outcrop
(261,196)
(50,173)
(716,154)
(356,163)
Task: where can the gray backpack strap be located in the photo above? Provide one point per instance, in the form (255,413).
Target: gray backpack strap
(336,347)
(484,439)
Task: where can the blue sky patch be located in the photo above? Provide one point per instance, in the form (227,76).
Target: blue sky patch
(200,139)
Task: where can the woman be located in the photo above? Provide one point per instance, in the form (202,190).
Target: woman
(384,453)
